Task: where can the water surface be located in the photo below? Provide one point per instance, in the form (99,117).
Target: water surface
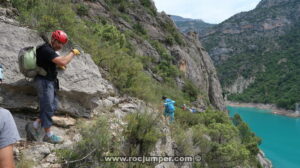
(280,135)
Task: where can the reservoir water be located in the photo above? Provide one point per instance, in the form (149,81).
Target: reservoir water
(280,135)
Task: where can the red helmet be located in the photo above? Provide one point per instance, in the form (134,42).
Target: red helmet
(60,36)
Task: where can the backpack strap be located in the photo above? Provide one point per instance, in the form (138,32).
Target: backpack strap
(41,71)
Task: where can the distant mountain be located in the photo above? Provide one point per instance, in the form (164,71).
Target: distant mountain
(272,3)
(186,24)
(180,19)
(257,53)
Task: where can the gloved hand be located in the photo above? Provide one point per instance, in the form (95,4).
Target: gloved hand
(62,67)
(75,51)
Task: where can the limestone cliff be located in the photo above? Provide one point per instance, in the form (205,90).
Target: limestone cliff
(186,51)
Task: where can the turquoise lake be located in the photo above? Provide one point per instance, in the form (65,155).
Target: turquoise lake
(280,135)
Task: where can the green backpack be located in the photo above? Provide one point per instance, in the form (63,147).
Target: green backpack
(27,63)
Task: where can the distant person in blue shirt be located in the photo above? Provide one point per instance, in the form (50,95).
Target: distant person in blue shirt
(169,109)
(1,73)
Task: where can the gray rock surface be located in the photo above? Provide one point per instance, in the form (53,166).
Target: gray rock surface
(201,71)
(198,65)
(240,85)
(63,121)
(266,163)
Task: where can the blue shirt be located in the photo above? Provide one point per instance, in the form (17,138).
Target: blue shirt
(169,106)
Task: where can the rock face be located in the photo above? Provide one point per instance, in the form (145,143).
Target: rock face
(263,160)
(240,85)
(239,32)
(81,84)
(196,63)
(242,45)
(201,70)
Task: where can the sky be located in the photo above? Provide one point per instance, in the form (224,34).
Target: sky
(210,11)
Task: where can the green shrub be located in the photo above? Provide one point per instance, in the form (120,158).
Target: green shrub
(146,3)
(165,68)
(178,38)
(202,141)
(190,90)
(139,29)
(109,35)
(148,6)
(223,133)
(117,1)
(122,7)
(144,87)
(169,26)
(159,47)
(216,136)
(96,142)
(248,138)
(126,17)
(184,145)
(172,92)
(37,14)
(48,23)
(24,163)
(82,10)
(214,116)
(171,29)
(186,118)
(141,133)
(227,155)
(200,134)
(170,40)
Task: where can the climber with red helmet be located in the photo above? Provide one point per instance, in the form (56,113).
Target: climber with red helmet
(58,39)
(47,85)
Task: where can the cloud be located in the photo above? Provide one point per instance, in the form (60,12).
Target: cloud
(211,11)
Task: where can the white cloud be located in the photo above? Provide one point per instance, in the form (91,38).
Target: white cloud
(211,11)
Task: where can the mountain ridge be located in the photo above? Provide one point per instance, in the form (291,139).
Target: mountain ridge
(243,45)
(187,24)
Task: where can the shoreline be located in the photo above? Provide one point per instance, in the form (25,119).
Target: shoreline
(272,107)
